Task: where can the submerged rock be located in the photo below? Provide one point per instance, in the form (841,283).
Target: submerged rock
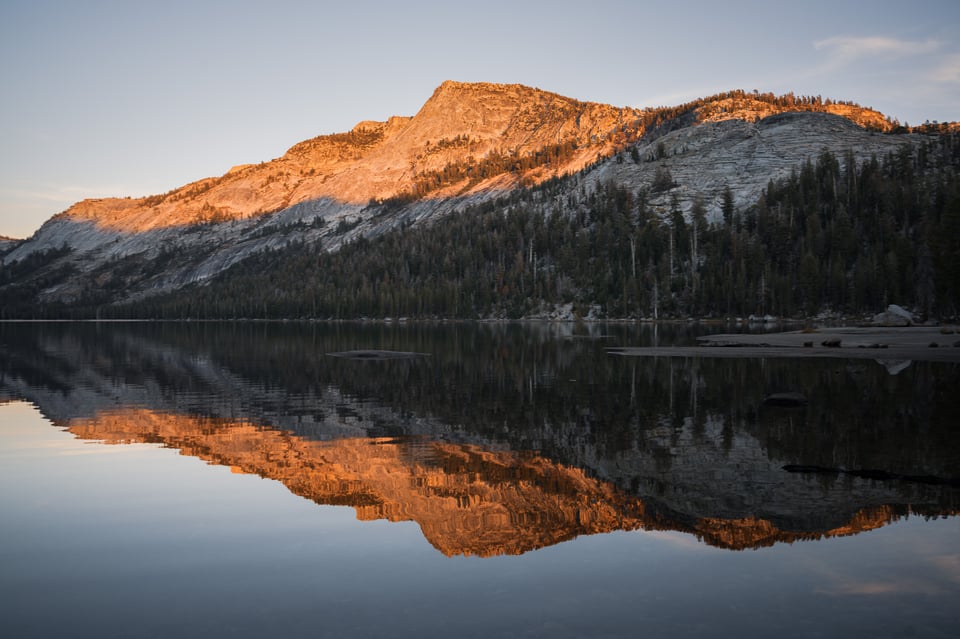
(376,355)
(785,399)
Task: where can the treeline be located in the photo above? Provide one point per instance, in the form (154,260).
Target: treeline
(669,118)
(471,172)
(833,236)
(357,139)
(856,238)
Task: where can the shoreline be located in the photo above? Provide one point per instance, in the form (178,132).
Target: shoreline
(914,343)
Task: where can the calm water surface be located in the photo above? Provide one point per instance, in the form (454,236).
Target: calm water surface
(298,480)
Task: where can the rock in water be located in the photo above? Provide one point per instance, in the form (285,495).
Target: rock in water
(785,399)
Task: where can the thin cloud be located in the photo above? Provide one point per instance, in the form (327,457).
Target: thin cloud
(903,585)
(846,49)
(949,566)
(66,193)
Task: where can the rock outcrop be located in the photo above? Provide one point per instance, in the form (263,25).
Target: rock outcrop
(893,316)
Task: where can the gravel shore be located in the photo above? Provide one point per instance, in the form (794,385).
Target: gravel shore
(912,343)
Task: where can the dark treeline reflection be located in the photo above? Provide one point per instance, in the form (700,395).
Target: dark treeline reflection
(693,437)
(532,386)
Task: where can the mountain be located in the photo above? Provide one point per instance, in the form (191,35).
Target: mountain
(469,145)
(379,160)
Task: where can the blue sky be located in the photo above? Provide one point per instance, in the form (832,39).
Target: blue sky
(134,98)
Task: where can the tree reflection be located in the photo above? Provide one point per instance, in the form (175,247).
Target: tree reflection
(507,437)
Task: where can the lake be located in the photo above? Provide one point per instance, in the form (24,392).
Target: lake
(257,479)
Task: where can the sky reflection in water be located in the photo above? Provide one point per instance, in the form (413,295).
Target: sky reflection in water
(137,540)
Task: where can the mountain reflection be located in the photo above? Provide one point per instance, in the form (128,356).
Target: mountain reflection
(467,500)
(508,439)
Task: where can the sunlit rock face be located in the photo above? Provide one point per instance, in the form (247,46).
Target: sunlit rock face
(460,122)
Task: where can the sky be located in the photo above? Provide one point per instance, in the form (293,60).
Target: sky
(130,98)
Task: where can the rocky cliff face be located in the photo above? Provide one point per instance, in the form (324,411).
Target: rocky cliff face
(468,143)
(379,160)
(741,154)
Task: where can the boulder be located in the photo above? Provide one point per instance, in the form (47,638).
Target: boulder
(893,316)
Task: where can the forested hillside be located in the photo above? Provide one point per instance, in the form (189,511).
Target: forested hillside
(503,201)
(836,235)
